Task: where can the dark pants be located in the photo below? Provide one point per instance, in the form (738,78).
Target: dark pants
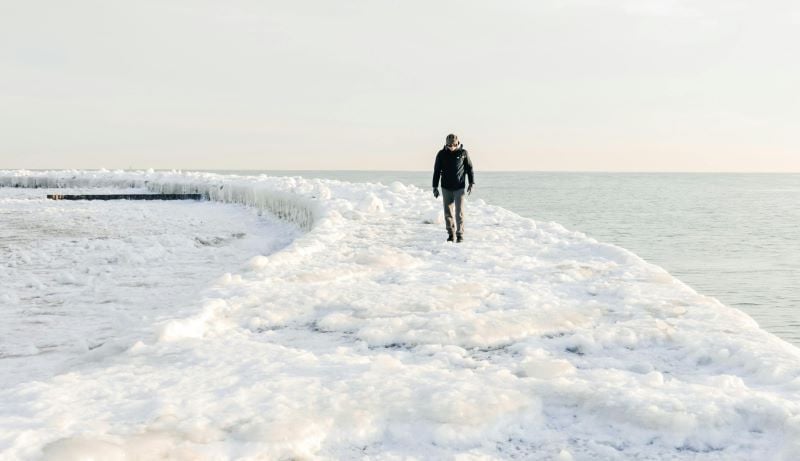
(454,198)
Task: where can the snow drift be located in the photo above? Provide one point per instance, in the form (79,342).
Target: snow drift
(368,336)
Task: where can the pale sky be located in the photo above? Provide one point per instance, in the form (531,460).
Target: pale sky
(575,85)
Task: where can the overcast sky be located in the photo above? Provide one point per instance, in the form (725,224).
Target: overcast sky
(609,85)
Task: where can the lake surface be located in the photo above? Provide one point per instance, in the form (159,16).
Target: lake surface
(735,237)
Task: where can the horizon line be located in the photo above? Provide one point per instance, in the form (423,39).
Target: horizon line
(211,170)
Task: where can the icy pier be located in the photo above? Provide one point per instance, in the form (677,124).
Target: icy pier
(370,337)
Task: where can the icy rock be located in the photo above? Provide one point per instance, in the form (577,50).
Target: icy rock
(83,449)
(564,455)
(258,262)
(371,204)
(433,217)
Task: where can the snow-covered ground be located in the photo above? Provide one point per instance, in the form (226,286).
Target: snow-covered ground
(368,336)
(77,276)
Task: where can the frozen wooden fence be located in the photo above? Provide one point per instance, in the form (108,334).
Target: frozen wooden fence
(126,197)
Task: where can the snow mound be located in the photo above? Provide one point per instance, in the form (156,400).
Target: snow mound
(369,336)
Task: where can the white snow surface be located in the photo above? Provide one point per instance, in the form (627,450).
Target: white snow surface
(79,276)
(368,336)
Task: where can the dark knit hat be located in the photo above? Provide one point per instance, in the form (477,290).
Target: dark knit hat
(451,139)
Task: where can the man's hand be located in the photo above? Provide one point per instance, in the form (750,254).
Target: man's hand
(469,189)
(436,192)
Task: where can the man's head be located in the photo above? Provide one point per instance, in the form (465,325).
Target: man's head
(451,142)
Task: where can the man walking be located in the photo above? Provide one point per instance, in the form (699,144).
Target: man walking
(453,165)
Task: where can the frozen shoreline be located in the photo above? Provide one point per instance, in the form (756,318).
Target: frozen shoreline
(368,336)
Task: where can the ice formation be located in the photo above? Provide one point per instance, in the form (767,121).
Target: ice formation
(368,336)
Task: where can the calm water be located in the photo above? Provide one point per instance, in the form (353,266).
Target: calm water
(732,236)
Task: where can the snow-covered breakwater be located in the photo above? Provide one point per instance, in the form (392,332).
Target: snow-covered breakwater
(371,337)
(283,197)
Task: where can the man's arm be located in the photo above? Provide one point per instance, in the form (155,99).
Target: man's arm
(468,169)
(437,170)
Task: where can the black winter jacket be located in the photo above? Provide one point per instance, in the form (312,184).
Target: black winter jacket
(452,167)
